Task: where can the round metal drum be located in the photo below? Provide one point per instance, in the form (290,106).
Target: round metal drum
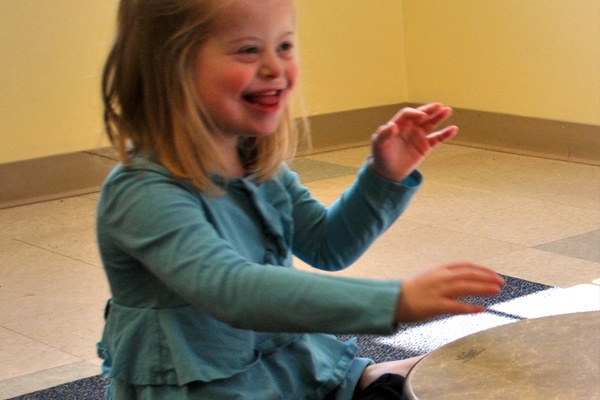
(555,357)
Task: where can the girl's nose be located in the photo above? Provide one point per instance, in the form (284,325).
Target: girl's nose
(271,66)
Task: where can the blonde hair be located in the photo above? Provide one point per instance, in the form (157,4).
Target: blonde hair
(150,100)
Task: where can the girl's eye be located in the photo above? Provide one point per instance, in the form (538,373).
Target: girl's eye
(286,49)
(248,54)
(249,50)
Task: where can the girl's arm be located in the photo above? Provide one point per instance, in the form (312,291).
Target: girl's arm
(331,239)
(160,251)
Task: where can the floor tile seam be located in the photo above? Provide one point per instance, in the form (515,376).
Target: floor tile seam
(459,232)
(570,238)
(525,197)
(597,229)
(523,201)
(547,252)
(63,311)
(434,225)
(56,252)
(550,198)
(84,193)
(565,255)
(464,230)
(582,207)
(79,358)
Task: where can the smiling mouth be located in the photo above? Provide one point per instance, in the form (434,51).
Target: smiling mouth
(265,99)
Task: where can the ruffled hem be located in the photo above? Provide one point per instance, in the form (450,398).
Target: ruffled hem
(181,345)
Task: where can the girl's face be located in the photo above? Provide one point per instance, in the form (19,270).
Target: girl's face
(246,70)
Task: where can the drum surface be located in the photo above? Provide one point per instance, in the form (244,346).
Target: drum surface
(555,357)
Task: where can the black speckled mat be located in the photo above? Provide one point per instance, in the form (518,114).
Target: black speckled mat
(83,389)
(410,340)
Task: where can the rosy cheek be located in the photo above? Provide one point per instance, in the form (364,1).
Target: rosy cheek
(293,72)
(238,82)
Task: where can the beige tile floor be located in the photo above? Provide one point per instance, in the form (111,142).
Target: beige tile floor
(527,217)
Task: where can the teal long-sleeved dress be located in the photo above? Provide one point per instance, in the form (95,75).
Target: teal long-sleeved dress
(205,301)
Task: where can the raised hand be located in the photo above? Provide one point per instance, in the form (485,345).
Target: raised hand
(399,146)
(436,291)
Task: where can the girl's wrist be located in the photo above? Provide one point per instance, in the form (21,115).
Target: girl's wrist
(396,177)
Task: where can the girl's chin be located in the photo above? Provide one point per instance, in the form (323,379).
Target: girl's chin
(256,128)
(265,130)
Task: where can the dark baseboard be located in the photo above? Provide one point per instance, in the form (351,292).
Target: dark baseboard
(65,175)
(537,137)
(348,128)
(559,140)
(49,178)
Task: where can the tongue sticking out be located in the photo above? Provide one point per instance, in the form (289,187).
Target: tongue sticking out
(263,100)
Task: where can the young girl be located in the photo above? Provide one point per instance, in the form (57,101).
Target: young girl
(198,225)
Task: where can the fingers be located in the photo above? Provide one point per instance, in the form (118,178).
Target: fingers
(470,280)
(471,288)
(426,118)
(408,116)
(432,113)
(438,290)
(442,135)
(439,114)
(466,270)
(430,108)
(458,307)
(419,114)
(473,279)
